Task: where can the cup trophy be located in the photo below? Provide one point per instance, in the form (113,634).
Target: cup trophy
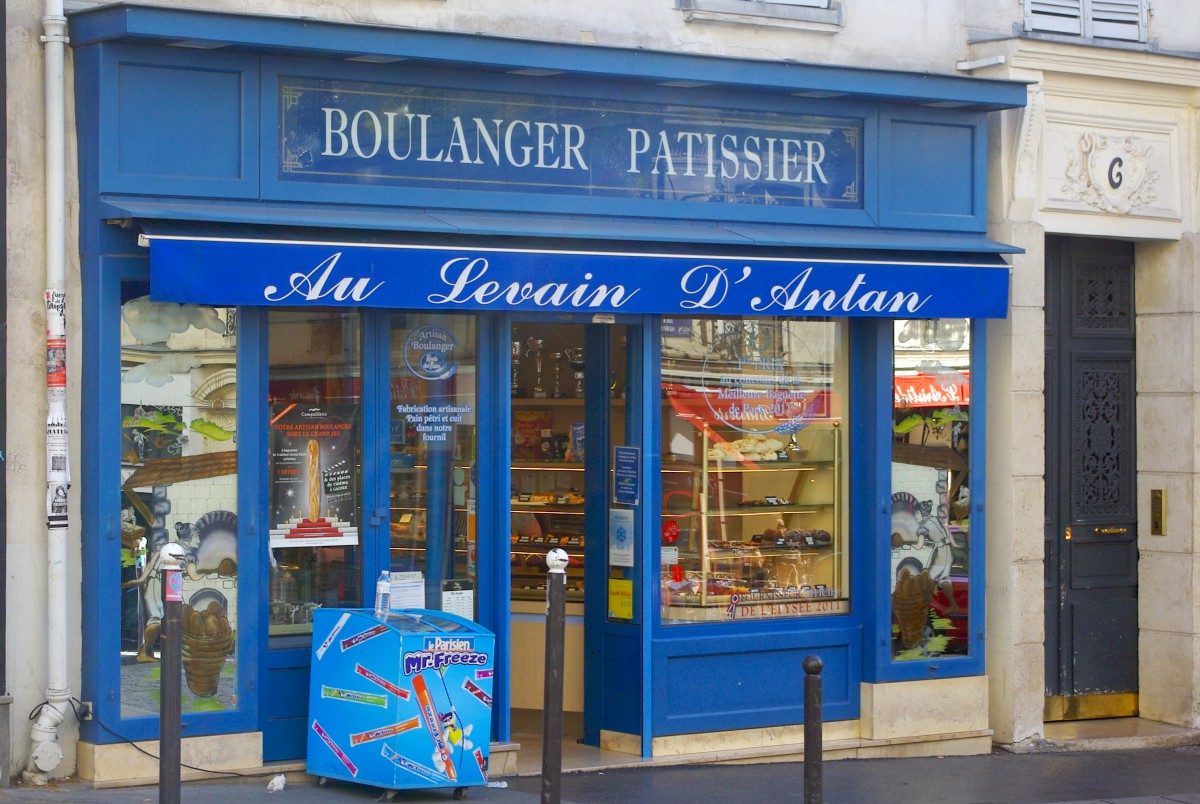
(516,370)
(535,348)
(575,360)
(558,391)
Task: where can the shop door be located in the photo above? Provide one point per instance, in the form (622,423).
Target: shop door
(568,380)
(1091,529)
(315,492)
(373,447)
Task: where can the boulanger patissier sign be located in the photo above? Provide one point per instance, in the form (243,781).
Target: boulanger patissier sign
(297,274)
(342,132)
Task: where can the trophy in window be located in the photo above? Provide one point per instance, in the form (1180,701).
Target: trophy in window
(558,391)
(535,348)
(516,369)
(575,360)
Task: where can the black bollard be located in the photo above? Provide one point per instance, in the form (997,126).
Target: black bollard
(170,665)
(552,725)
(812,729)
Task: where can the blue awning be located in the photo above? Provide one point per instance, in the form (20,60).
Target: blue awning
(236,271)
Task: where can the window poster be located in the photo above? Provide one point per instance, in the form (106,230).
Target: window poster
(314,499)
(620,537)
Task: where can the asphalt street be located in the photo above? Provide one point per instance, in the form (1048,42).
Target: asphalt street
(1130,777)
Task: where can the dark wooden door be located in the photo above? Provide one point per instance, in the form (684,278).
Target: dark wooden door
(1091,474)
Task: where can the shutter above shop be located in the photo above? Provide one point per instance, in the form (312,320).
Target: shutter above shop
(1054,16)
(1099,19)
(1119,19)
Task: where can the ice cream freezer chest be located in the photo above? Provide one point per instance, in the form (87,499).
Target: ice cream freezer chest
(400,702)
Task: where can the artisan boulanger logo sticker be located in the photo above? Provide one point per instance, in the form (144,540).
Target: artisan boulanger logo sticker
(429,353)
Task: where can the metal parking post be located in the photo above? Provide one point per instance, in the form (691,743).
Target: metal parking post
(812,729)
(552,720)
(171,662)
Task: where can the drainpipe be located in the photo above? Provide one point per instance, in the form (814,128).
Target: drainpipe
(5,698)
(47,753)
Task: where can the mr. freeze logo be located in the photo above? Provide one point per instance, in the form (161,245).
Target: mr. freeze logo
(440,652)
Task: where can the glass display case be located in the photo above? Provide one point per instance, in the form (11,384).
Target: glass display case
(752,523)
(751,527)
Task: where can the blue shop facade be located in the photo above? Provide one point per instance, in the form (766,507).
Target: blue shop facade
(360,299)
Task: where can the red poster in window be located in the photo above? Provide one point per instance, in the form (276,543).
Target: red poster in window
(314,475)
(933,391)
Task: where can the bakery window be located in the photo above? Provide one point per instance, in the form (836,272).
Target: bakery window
(431,455)
(178,460)
(753,476)
(315,472)
(931,489)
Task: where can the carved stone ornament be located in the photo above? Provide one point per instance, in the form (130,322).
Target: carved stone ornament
(1110,173)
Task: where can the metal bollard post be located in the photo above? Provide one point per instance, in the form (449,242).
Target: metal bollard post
(552,725)
(171,662)
(812,729)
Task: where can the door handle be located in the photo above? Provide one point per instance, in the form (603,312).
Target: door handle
(1111,531)
(1067,533)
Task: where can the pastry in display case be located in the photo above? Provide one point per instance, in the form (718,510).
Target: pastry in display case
(751,525)
(542,520)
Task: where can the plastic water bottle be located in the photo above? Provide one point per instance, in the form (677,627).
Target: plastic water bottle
(383,594)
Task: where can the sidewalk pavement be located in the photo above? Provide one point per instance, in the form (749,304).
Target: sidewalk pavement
(1134,776)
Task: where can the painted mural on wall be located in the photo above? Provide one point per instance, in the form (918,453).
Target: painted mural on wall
(925,559)
(178,484)
(931,494)
(210,547)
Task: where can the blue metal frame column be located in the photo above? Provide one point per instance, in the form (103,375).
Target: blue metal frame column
(646,367)
(493,459)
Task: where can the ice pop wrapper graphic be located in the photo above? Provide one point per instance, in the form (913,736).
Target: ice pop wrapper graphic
(473,688)
(381,681)
(433,722)
(332,636)
(390,755)
(481,762)
(483,673)
(324,735)
(384,731)
(354,696)
(363,636)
